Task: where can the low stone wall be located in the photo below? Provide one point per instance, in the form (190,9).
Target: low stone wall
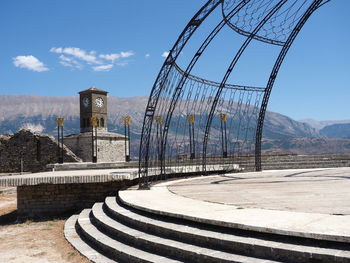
(47,200)
(59,193)
(56,194)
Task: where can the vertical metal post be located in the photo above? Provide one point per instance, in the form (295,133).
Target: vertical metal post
(96,144)
(127,122)
(159,121)
(129,147)
(60,124)
(93,123)
(191,120)
(223,118)
(58,142)
(61,157)
(125,142)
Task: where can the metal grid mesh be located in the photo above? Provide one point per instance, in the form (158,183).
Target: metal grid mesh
(195,125)
(277,29)
(183,148)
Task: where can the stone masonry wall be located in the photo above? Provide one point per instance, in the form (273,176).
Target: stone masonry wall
(110,146)
(36,151)
(49,200)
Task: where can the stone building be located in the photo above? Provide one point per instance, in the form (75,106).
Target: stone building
(110,146)
(30,152)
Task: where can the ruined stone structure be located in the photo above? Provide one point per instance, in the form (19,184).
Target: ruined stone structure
(30,151)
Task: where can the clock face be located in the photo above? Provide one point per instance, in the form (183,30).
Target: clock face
(99,102)
(86,101)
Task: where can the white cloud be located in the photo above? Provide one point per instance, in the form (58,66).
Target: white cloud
(77,58)
(89,57)
(165,54)
(117,56)
(70,62)
(111,57)
(127,54)
(29,62)
(103,67)
(147,55)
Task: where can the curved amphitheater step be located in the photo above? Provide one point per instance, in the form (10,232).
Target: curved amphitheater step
(115,232)
(278,162)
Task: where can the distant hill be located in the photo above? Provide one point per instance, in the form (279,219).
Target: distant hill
(39,113)
(312,146)
(319,125)
(336,131)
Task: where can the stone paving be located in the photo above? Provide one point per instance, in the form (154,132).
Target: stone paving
(310,203)
(324,191)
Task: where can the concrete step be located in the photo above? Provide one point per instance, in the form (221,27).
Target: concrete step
(118,251)
(300,162)
(279,166)
(86,250)
(294,161)
(163,245)
(242,242)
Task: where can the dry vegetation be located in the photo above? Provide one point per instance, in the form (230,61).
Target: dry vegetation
(32,241)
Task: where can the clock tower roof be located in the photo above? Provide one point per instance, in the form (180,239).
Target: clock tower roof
(93,89)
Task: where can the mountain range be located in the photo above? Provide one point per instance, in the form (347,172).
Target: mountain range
(39,112)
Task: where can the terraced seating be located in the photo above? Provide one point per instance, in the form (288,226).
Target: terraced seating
(279,162)
(115,232)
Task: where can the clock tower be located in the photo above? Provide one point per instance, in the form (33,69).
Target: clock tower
(102,146)
(93,103)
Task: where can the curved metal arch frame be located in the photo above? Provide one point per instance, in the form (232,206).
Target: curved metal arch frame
(228,73)
(186,34)
(189,68)
(191,27)
(217,84)
(247,34)
(257,37)
(316,4)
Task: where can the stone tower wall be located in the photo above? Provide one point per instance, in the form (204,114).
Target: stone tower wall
(110,146)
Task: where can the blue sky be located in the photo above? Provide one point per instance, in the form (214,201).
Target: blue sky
(57,48)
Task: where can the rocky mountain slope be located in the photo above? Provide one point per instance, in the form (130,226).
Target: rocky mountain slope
(38,113)
(340,130)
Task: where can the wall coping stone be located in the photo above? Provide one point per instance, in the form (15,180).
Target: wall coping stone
(70,177)
(95,175)
(89,165)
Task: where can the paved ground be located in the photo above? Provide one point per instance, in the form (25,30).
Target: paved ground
(325,191)
(310,203)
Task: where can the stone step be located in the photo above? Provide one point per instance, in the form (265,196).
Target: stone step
(72,237)
(300,166)
(167,247)
(293,161)
(292,164)
(328,156)
(113,248)
(298,157)
(245,243)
